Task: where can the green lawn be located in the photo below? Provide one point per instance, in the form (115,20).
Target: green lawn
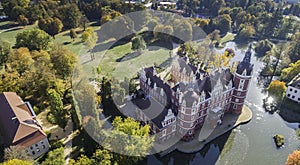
(113,63)
(228,37)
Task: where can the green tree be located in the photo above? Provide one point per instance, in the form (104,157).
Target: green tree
(223,23)
(5,49)
(262,47)
(83,160)
(34,39)
(294,48)
(57,108)
(70,15)
(16,152)
(290,72)
(63,60)
(138,143)
(246,33)
(138,43)
(293,158)
(277,89)
(103,157)
(55,157)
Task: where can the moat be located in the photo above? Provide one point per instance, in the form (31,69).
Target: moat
(251,143)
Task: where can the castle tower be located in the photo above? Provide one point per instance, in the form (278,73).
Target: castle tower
(242,78)
(187,114)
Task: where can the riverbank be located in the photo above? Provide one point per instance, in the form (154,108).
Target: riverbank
(230,121)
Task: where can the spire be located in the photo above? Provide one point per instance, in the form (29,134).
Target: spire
(247,57)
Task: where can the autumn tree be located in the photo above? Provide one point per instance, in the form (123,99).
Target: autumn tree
(55,157)
(17,162)
(277,89)
(52,26)
(16,152)
(57,108)
(63,60)
(34,39)
(22,20)
(293,158)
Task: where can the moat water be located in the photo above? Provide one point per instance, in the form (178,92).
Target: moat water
(248,144)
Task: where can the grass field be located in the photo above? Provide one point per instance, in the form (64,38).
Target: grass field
(118,61)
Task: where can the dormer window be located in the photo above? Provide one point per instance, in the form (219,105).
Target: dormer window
(244,73)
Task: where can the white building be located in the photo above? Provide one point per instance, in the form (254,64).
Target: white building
(293,89)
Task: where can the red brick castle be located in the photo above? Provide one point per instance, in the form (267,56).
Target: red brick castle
(181,106)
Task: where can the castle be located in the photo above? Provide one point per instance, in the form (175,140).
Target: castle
(181,107)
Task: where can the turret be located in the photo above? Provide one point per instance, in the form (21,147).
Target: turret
(242,78)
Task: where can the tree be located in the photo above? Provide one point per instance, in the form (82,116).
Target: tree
(55,157)
(16,152)
(70,15)
(246,33)
(5,48)
(20,60)
(83,160)
(163,32)
(57,108)
(103,157)
(293,158)
(290,72)
(34,39)
(262,47)
(214,36)
(138,43)
(63,60)
(277,89)
(17,162)
(139,142)
(22,20)
(73,34)
(223,23)
(51,25)
(294,48)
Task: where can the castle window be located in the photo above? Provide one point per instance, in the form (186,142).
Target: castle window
(291,89)
(33,153)
(191,124)
(173,127)
(288,95)
(293,97)
(234,106)
(239,93)
(295,91)
(164,132)
(190,132)
(237,100)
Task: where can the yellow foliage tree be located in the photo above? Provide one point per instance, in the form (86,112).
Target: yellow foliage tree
(293,158)
(17,162)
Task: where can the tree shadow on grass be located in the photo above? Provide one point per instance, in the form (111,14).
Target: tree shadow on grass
(7,26)
(158,44)
(110,45)
(129,56)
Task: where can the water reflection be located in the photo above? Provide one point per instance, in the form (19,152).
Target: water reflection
(252,143)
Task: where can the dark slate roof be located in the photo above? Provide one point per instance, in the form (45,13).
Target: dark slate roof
(246,63)
(155,111)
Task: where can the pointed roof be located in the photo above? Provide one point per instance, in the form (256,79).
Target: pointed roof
(246,65)
(18,121)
